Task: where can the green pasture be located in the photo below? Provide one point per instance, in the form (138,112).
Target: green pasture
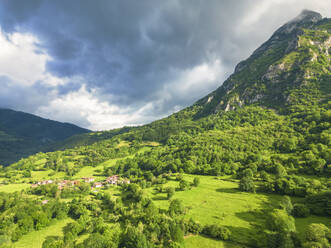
(10,188)
(218,201)
(198,241)
(35,239)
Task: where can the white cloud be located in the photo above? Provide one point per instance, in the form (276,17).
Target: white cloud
(85,108)
(288,9)
(195,82)
(18,59)
(23,62)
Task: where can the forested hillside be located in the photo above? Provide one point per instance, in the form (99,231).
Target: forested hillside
(249,165)
(23,134)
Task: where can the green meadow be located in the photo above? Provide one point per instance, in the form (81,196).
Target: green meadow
(217,200)
(203,242)
(10,188)
(35,239)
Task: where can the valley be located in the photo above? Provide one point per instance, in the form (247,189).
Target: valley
(249,165)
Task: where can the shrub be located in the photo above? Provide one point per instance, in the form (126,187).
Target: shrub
(217,232)
(196,181)
(192,226)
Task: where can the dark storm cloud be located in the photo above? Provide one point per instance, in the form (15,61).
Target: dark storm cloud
(125,47)
(135,51)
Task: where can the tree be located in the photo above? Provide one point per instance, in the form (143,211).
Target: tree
(183,185)
(247,184)
(264,176)
(281,222)
(170,192)
(248,173)
(196,181)
(26,224)
(286,204)
(179,177)
(217,232)
(134,238)
(132,192)
(96,240)
(41,220)
(280,171)
(317,235)
(284,227)
(53,242)
(177,234)
(176,207)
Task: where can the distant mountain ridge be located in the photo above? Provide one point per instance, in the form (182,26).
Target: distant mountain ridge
(23,134)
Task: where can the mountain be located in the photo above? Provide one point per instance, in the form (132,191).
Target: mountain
(22,134)
(291,68)
(223,172)
(296,57)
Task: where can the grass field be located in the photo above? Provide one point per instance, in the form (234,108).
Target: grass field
(203,242)
(40,175)
(218,200)
(10,188)
(35,239)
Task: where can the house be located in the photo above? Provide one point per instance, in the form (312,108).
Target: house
(88,179)
(126,181)
(44,202)
(35,185)
(97,185)
(112,180)
(45,182)
(68,183)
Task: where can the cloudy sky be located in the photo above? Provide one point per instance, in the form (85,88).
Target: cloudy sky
(109,63)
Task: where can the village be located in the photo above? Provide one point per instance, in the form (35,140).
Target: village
(112,180)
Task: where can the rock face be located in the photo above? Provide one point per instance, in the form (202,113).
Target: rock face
(296,55)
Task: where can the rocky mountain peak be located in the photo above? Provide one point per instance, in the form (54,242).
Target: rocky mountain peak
(308,16)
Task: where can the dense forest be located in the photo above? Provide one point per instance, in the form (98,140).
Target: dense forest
(262,140)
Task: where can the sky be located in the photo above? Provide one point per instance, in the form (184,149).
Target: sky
(106,64)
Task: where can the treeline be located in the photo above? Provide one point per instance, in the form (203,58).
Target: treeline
(69,161)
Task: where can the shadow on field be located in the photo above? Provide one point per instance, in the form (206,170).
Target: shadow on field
(243,237)
(227,190)
(254,235)
(159,198)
